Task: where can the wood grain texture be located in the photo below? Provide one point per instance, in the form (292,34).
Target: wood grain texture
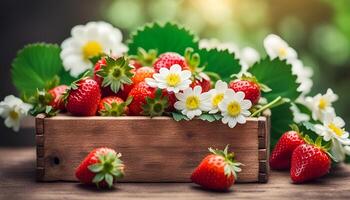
(17,177)
(154,150)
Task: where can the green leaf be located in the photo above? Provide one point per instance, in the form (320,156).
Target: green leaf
(277,75)
(96,167)
(98,178)
(109,179)
(178,116)
(221,62)
(163,38)
(309,126)
(281,118)
(35,66)
(210,117)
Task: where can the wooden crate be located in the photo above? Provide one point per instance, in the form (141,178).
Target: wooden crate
(154,150)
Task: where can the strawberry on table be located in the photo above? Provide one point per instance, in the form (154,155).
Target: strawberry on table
(102,167)
(310,161)
(217,171)
(83,97)
(282,153)
(113,106)
(57,94)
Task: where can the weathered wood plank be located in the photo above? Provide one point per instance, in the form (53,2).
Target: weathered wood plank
(154,150)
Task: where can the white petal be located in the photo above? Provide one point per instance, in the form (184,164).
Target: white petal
(186,74)
(339,122)
(246,104)
(180,96)
(175,69)
(164,71)
(241,119)
(232,122)
(197,90)
(239,96)
(179,105)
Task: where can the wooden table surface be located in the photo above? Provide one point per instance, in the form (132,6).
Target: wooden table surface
(17,181)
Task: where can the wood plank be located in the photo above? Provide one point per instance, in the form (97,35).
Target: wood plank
(17,177)
(174,149)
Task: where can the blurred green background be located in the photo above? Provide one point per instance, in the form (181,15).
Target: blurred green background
(318,29)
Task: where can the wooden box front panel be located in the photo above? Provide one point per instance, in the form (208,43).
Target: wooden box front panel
(154,150)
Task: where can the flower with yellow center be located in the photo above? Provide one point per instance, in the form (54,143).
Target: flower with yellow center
(321,104)
(276,47)
(333,128)
(13,109)
(173,79)
(234,108)
(192,102)
(217,95)
(88,41)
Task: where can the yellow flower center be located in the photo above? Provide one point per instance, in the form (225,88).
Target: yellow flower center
(338,131)
(282,52)
(217,99)
(91,49)
(233,108)
(322,104)
(14,115)
(173,79)
(192,102)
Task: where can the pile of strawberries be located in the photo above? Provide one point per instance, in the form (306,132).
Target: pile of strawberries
(103,166)
(117,87)
(306,159)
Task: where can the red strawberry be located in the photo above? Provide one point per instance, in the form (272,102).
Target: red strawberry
(202,80)
(250,89)
(309,162)
(57,94)
(141,74)
(137,64)
(113,74)
(113,106)
(102,167)
(166,60)
(147,100)
(217,171)
(83,97)
(143,58)
(281,155)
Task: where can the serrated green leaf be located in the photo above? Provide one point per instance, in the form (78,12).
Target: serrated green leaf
(163,38)
(281,118)
(178,116)
(277,75)
(95,167)
(35,66)
(221,62)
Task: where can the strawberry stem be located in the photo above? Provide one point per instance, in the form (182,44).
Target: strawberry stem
(273,103)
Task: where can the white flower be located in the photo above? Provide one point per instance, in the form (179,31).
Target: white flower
(248,56)
(321,105)
(276,47)
(172,80)
(299,116)
(192,102)
(304,75)
(332,128)
(13,109)
(87,41)
(338,151)
(234,108)
(216,44)
(347,150)
(217,95)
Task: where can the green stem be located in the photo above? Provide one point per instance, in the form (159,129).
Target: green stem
(269,105)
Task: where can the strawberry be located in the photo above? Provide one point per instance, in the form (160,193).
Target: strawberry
(147,100)
(137,64)
(82,97)
(113,73)
(143,58)
(202,80)
(310,161)
(102,167)
(169,59)
(141,74)
(57,94)
(113,106)
(250,89)
(217,171)
(282,153)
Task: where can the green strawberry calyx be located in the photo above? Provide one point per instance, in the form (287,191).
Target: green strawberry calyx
(74,86)
(109,168)
(326,147)
(115,109)
(231,165)
(116,73)
(146,58)
(155,106)
(40,101)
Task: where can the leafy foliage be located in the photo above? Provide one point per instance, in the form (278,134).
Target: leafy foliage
(221,62)
(210,117)
(35,66)
(178,116)
(277,75)
(281,119)
(163,38)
